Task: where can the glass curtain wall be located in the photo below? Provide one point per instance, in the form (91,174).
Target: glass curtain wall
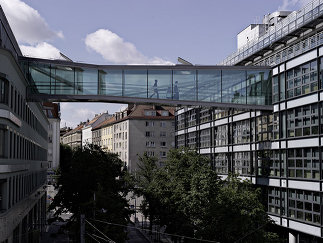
(195,84)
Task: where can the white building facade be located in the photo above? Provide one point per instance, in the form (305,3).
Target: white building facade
(87,129)
(143,129)
(280,151)
(23,149)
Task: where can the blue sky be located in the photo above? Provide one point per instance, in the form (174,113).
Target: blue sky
(133,32)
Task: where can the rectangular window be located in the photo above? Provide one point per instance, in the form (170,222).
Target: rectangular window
(302,121)
(3,142)
(304,80)
(150,144)
(4,91)
(150,123)
(150,153)
(163,134)
(164,113)
(163,154)
(162,144)
(150,113)
(150,134)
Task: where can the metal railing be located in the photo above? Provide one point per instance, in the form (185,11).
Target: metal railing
(274,33)
(292,51)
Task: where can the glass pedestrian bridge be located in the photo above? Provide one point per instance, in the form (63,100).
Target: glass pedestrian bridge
(246,88)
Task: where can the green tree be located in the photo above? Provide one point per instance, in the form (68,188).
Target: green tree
(144,181)
(239,215)
(90,182)
(193,201)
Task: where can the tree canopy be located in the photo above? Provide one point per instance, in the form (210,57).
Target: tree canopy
(189,198)
(90,182)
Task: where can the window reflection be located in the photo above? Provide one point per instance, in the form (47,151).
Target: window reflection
(63,79)
(209,85)
(234,86)
(135,83)
(40,75)
(84,81)
(184,85)
(259,87)
(160,84)
(110,82)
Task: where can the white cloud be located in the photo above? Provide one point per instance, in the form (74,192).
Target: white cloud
(72,113)
(27,24)
(114,49)
(292,4)
(41,50)
(79,115)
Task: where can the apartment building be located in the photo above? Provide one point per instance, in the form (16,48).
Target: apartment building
(87,129)
(143,129)
(73,138)
(23,149)
(52,111)
(137,130)
(280,150)
(106,131)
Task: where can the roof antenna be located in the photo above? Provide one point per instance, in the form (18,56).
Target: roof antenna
(184,62)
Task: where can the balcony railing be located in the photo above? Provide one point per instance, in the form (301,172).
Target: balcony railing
(293,21)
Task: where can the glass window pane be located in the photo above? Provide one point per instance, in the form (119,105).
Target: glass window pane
(63,79)
(86,81)
(234,86)
(135,83)
(160,84)
(282,86)
(209,85)
(259,87)
(184,85)
(110,82)
(40,75)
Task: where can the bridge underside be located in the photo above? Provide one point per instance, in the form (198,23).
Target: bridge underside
(223,87)
(132,100)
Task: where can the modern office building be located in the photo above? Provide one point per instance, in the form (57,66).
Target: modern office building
(23,149)
(281,151)
(266,124)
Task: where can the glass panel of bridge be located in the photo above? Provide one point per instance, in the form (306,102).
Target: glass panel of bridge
(259,87)
(160,84)
(62,80)
(110,82)
(40,76)
(135,83)
(234,86)
(209,85)
(86,81)
(184,85)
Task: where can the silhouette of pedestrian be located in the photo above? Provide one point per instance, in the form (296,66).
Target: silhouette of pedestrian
(155,89)
(176,91)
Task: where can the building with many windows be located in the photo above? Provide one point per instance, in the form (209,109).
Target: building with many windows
(52,111)
(137,130)
(87,129)
(23,149)
(143,129)
(106,132)
(281,151)
(73,138)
